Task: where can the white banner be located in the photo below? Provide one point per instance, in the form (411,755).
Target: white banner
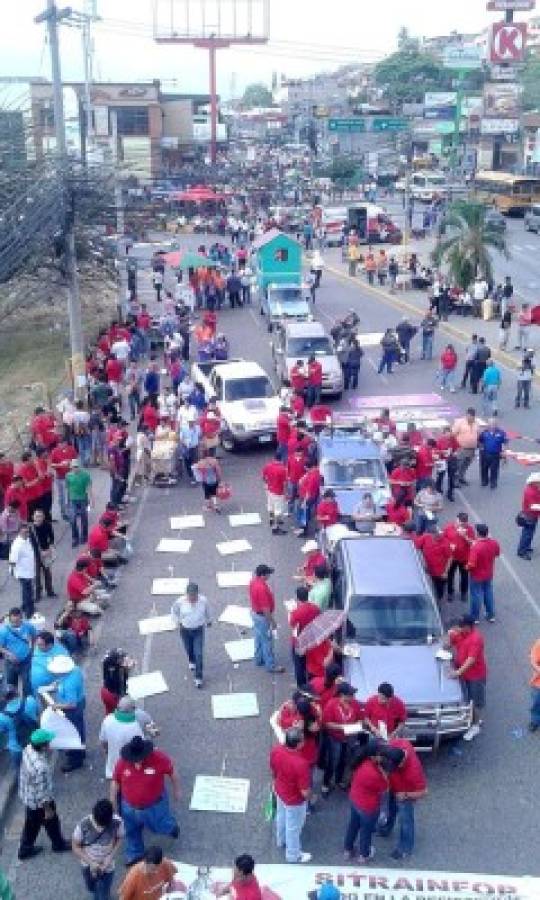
(303,883)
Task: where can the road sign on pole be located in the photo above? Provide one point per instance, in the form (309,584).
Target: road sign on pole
(390,123)
(349,126)
(463,57)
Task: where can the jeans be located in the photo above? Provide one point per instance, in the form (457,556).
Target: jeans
(27,596)
(467,373)
(386,361)
(363,823)
(84,448)
(336,759)
(158,818)
(535,706)
(99,884)
(350,376)
(465,456)
(264,643)
(447,378)
(527,535)
(489,468)
(289,823)
(134,401)
(427,346)
(61,491)
(482,592)
(523,393)
(490,393)
(98,444)
(13,671)
(303,512)
(282,452)
(300,672)
(313,394)
(193,640)
(79,513)
(403,811)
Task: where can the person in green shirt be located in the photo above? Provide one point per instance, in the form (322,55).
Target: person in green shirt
(321,589)
(6,891)
(79,494)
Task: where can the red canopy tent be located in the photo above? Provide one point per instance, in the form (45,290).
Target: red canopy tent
(198,194)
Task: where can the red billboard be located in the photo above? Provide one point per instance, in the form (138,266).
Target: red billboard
(508,42)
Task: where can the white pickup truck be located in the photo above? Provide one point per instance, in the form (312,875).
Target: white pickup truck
(246,397)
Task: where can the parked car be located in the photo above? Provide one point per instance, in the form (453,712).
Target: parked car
(532,219)
(495,220)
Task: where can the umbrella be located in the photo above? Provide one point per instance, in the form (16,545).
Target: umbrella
(320,629)
(194,261)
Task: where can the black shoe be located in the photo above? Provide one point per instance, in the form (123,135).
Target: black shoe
(53,595)
(527,556)
(29,853)
(484,484)
(175,833)
(464,598)
(532,727)
(62,848)
(75,544)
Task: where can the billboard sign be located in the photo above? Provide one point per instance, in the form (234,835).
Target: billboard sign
(502,99)
(508,42)
(499,126)
(390,123)
(463,56)
(349,126)
(472,106)
(512,5)
(503,73)
(440,99)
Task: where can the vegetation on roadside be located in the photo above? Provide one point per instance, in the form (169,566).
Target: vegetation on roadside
(470,239)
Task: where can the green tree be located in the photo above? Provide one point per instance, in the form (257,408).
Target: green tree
(469,243)
(405,41)
(530,79)
(256,95)
(406,75)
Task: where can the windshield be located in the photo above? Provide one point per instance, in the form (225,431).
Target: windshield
(348,471)
(379,620)
(285,295)
(248,389)
(318,346)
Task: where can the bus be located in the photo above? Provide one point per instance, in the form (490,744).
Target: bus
(513,195)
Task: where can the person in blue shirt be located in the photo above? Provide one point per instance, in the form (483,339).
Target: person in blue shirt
(17,639)
(490,384)
(13,708)
(197,397)
(45,649)
(491,442)
(69,697)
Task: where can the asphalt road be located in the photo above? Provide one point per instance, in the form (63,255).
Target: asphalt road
(481,795)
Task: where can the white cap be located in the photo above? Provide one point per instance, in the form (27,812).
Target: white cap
(309,546)
(60,665)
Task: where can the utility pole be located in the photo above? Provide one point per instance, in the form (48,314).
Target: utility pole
(52,16)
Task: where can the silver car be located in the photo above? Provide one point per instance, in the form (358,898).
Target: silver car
(300,340)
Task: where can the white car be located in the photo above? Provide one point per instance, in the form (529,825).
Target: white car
(247,400)
(300,340)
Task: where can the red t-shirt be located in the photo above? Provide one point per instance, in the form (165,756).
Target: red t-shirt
(315,558)
(460,542)
(246,890)
(367,787)
(392,713)
(324,694)
(6,474)
(327,513)
(43,428)
(94,566)
(98,538)
(409,776)
(292,774)
(283,429)
(315,374)
(424,462)
(29,473)
(45,477)
(261,597)
(531,497)
(142,785)
(466,645)
(104,344)
(114,370)
(77,583)
(336,711)
(320,414)
(275,477)
(310,484)
(437,553)
(397,515)
(296,468)
(304,613)
(61,456)
(289,717)
(298,379)
(482,556)
(150,417)
(17,493)
(317,658)
(298,405)
(143,321)
(405,475)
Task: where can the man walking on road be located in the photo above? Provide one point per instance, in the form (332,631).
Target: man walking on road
(427,327)
(492,441)
(484,552)
(470,356)
(470,667)
(530,513)
(534,723)
(524,327)
(22,564)
(79,494)
(192,615)
(292,786)
(490,384)
(274,475)
(465,431)
(36,794)
(262,602)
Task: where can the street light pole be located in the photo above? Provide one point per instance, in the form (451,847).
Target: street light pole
(52,16)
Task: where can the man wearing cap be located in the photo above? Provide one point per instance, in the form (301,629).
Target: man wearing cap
(314,557)
(70,699)
(342,710)
(138,792)
(385,713)
(192,616)
(407,783)
(262,602)
(530,511)
(292,786)
(79,495)
(36,794)
(116,731)
(469,665)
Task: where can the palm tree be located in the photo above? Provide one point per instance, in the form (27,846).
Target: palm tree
(470,240)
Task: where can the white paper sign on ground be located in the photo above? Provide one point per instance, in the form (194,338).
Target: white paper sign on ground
(234,706)
(147,685)
(236,520)
(228,547)
(66,735)
(237,615)
(156,625)
(172,545)
(241,650)
(178,523)
(214,793)
(169,587)
(233,579)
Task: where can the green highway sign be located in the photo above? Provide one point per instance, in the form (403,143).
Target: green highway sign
(347,125)
(390,124)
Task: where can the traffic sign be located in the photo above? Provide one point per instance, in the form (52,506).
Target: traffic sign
(392,123)
(463,57)
(347,125)
(513,5)
(508,42)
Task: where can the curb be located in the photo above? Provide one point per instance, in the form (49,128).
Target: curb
(391,299)
(8,790)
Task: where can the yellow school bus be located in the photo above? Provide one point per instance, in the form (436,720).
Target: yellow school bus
(513,195)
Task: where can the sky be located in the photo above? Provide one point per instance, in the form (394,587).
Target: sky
(306,37)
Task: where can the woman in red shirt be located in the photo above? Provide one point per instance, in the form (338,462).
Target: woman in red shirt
(341,710)
(327,512)
(397,511)
(368,786)
(325,686)
(302,713)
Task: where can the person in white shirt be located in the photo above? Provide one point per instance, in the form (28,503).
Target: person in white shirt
(192,615)
(22,564)
(119,727)
(121,349)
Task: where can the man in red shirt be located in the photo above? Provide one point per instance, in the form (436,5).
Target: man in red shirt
(144,323)
(244,885)
(61,458)
(403,478)
(447,463)
(296,468)
(138,793)
(320,415)
(298,378)
(407,783)
(470,667)
(327,512)
(385,713)
(6,476)
(17,491)
(308,494)
(314,381)
(43,428)
(314,558)
(437,554)
(274,475)
(80,589)
(114,372)
(425,459)
(318,658)
(291,774)
(302,615)
(483,553)
(342,710)
(283,432)
(28,472)
(262,602)
(460,535)
(530,512)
